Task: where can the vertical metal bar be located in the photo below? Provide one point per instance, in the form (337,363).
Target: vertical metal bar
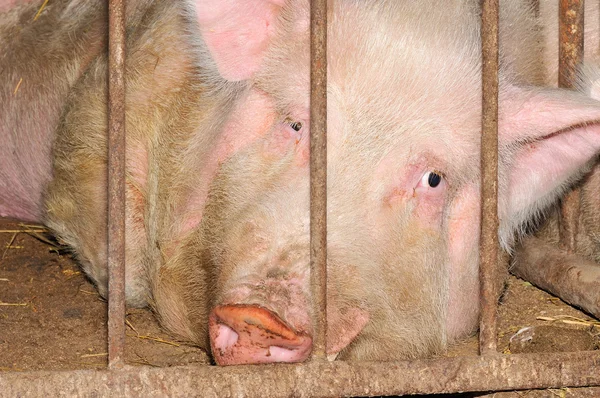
(318,173)
(116,184)
(489,245)
(570,56)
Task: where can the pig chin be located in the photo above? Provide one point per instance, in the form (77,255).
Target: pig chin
(269,321)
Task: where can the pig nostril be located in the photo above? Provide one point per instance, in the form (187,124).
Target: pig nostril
(226,337)
(280,354)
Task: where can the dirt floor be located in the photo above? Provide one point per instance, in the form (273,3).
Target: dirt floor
(52,318)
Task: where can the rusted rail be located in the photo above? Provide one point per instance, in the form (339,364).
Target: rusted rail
(570,56)
(570,46)
(489,245)
(317,378)
(318,173)
(116,184)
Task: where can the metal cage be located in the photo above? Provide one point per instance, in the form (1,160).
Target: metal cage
(490,371)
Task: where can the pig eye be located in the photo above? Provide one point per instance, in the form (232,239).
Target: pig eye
(431,179)
(296,126)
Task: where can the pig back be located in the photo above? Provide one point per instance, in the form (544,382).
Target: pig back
(41,59)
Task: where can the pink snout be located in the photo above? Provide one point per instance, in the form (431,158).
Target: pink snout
(250,334)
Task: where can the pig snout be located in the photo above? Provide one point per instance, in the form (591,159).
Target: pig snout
(243,334)
(269,321)
(261,320)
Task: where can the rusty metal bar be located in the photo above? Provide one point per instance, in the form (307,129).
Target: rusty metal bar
(318,173)
(116,184)
(570,46)
(570,56)
(317,378)
(489,244)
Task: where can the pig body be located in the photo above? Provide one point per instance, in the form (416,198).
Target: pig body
(217,164)
(30,112)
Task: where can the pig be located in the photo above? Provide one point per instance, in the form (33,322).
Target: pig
(217,190)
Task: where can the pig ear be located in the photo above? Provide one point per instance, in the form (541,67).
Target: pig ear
(548,137)
(237,32)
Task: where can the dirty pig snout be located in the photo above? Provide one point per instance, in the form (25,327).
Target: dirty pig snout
(257,327)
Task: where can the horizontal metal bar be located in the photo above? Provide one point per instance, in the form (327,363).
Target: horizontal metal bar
(313,379)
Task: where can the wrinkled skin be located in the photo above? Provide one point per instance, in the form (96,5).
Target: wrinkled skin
(217,163)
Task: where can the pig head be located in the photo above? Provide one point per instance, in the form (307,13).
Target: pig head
(218,170)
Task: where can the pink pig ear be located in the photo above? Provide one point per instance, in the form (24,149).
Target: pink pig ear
(237,32)
(548,136)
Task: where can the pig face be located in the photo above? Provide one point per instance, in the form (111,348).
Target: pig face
(403,181)
(387,197)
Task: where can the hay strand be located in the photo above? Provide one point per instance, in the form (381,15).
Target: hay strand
(17,87)
(40,10)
